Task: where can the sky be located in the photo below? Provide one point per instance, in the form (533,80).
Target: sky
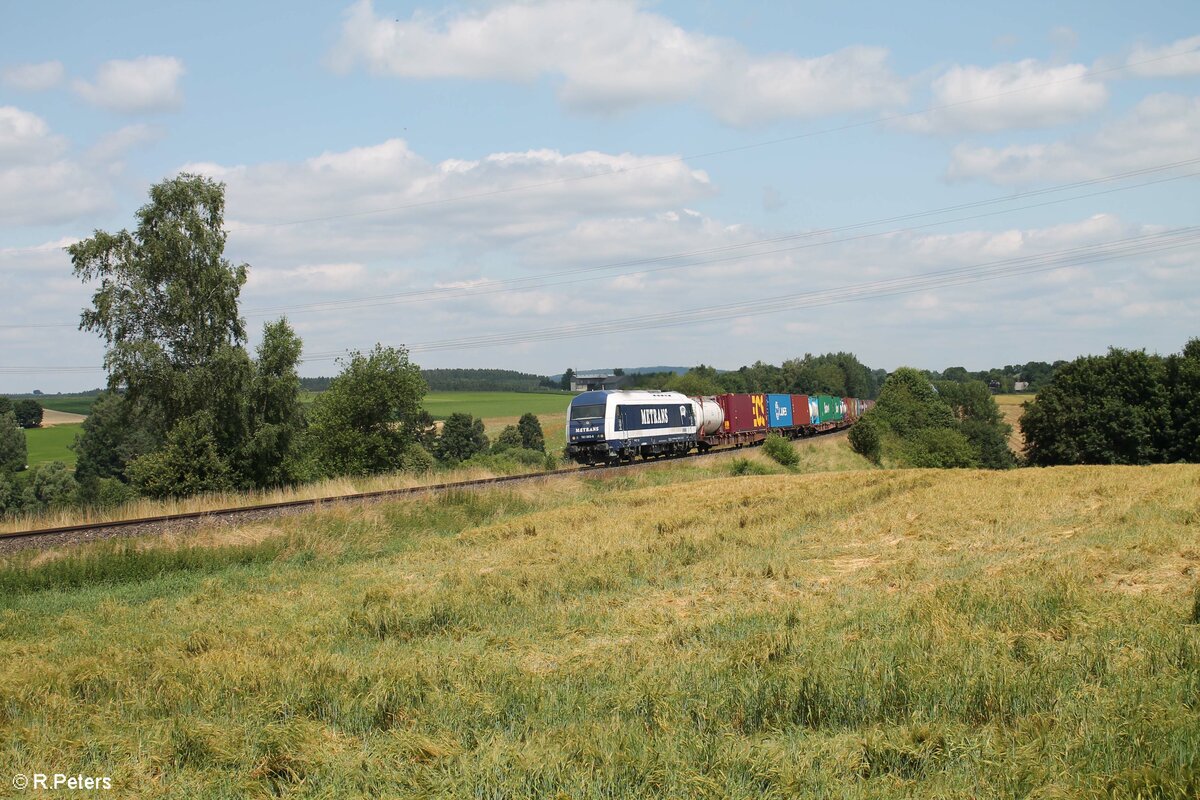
(543,185)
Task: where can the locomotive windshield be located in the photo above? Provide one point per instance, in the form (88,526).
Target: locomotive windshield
(592,411)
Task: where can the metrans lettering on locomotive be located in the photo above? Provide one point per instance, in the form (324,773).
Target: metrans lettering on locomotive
(655,416)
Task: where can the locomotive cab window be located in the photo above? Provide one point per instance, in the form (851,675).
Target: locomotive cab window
(593,411)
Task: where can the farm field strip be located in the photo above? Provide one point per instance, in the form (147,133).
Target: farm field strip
(496,408)
(52,443)
(133,519)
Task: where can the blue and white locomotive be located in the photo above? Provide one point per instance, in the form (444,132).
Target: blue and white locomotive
(608,426)
(612,426)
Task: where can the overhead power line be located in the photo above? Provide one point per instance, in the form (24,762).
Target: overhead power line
(589,273)
(1123,248)
(732,252)
(1163,241)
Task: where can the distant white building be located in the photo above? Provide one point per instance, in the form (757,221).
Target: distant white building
(1020,386)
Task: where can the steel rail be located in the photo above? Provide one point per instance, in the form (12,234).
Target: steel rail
(164,521)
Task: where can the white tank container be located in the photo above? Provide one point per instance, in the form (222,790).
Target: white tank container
(709,415)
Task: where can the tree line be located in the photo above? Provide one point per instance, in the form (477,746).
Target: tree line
(839,374)
(463,380)
(187,408)
(25,413)
(920,423)
(1036,374)
(1125,407)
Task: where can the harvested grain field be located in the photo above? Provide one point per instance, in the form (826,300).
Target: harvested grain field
(50,418)
(671,633)
(1012,407)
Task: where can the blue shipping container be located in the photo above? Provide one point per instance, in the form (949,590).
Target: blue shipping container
(814,410)
(779,407)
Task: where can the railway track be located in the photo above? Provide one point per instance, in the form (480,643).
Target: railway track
(143,526)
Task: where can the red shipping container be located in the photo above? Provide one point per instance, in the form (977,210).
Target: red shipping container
(851,409)
(743,412)
(800,415)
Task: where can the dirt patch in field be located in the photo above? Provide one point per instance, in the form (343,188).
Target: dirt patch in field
(50,418)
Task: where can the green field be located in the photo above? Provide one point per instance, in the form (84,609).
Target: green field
(71,404)
(490,405)
(671,633)
(52,444)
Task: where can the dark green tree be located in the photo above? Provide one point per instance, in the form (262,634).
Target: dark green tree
(50,486)
(698,382)
(167,301)
(462,437)
(1110,409)
(6,404)
(532,436)
(957,374)
(915,425)
(29,413)
(115,432)
(275,417)
(12,495)
(1183,384)
(864,439)
(509,439)
(167,308)
(368,417)
(13,448)
(565,382)
(980,420)
(188,464)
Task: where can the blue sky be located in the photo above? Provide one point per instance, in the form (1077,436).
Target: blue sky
(472,151)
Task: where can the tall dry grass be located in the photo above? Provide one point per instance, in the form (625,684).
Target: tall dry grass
(669,633)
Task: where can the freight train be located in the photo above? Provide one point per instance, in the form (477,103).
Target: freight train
(610,427)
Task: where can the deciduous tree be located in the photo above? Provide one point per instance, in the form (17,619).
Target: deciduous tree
(369,415)
(532,436)
(29,413)
(462,437)
(1110,409)
(13,449)
(274,415)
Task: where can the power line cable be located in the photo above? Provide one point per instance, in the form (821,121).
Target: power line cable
(755,307)
(1132,246)
(957,276)
(539,280)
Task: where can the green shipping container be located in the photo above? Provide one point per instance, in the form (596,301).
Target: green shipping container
(831,408)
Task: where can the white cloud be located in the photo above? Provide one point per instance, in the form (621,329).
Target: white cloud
(33,77)
(385,200)
(1177,59)
(145,84)
(24,136)
(1022,94)
(115,145)
(58,191)
(309,277)
(611,56)
(1160,129)
(39,182)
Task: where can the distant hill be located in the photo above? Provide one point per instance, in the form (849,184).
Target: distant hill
(483,380)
